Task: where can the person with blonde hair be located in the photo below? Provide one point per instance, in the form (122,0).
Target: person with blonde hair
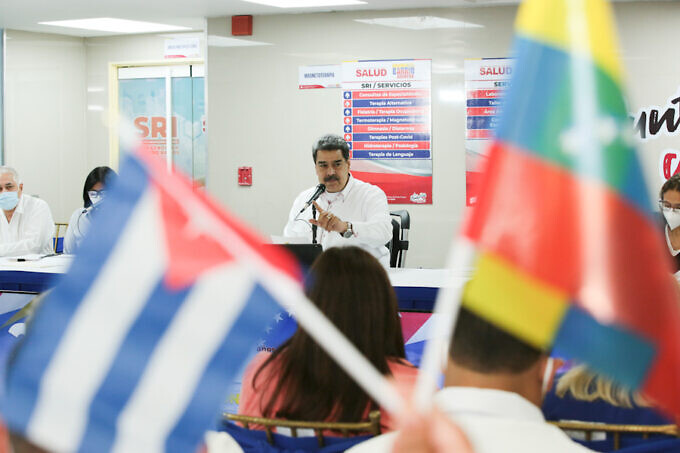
(583,395)
(584,385)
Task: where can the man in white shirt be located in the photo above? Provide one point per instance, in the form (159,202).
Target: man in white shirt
(493,389)
(349,211)
(27,226)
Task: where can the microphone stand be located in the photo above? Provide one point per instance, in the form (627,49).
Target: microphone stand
(314,227)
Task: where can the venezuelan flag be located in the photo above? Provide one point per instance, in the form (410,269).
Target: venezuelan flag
(568,252)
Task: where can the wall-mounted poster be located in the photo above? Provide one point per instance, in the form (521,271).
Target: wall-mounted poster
(387,122)
(486,79)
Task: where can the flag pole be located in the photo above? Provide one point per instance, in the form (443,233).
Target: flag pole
(444,317)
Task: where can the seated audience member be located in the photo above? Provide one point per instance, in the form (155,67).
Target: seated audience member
(299,381)
(585,396)
(27,226)
(94,192)
(493,388)
(669,202)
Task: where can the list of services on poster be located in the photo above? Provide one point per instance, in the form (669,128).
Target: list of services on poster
(486,80)
(387,122)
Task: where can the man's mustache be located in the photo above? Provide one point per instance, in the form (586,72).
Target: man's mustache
(330,178)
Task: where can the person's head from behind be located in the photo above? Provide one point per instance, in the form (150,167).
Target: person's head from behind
(351,288)
(11,188)
(96,183)
(669,201)
(483,355)
(331,162)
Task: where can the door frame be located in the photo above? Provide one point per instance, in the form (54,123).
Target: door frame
(113,97)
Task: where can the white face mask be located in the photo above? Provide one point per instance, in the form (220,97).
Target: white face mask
(672,218)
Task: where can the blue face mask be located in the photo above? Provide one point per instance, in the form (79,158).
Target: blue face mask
(9,200)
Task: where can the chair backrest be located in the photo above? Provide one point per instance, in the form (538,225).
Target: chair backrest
(371,426)
(617,430)
(58,240)
(401,223)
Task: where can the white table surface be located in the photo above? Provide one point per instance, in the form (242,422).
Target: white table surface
(402,277)
(430,278)
(52,264)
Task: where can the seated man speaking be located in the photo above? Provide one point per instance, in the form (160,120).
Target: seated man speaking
(27,226)
(349,211)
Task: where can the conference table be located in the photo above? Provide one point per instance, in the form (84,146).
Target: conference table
(416,289)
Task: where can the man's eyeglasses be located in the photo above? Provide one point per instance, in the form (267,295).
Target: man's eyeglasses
(666,206)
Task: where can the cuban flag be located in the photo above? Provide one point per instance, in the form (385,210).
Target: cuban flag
(135,348)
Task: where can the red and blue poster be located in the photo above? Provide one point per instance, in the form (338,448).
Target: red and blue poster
(486,80)
(387,121)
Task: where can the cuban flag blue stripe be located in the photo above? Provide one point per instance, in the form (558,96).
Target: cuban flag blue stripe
(128,366)
(52,320)
(236,347)
(609,349)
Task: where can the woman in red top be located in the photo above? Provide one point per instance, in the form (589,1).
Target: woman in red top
(299,381)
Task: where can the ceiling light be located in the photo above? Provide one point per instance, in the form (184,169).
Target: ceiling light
(224,41)
(306,3)
(113,25)
(419,22)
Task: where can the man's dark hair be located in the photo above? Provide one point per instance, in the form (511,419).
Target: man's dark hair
(482,347)
(672,183)
(331,142)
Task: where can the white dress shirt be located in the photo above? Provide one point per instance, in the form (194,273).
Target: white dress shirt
(362,204)
(30,230)
(493,421)
(77,227)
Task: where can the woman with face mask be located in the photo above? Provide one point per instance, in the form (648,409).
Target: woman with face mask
(94,193)
(669,203)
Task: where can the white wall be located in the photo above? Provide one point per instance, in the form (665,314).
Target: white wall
(45,117)
(57,105)
(100,53)
(258,117)
(648,35)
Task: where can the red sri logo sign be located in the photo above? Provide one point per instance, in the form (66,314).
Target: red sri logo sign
(669,163)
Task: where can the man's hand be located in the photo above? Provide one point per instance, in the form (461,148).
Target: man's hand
(328,221)
(674,237)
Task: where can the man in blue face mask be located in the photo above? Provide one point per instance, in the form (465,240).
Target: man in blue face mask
(27,226)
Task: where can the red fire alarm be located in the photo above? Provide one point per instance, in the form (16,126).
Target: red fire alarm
(245,176)
(241,25)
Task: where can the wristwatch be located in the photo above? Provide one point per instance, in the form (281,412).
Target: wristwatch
(349,232)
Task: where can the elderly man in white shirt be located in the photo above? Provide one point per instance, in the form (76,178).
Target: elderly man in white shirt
(349,211)
(27,226)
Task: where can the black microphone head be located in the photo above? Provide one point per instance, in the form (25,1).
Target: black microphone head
(321,187)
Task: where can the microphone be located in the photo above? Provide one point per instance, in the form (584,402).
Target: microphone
(321,188)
